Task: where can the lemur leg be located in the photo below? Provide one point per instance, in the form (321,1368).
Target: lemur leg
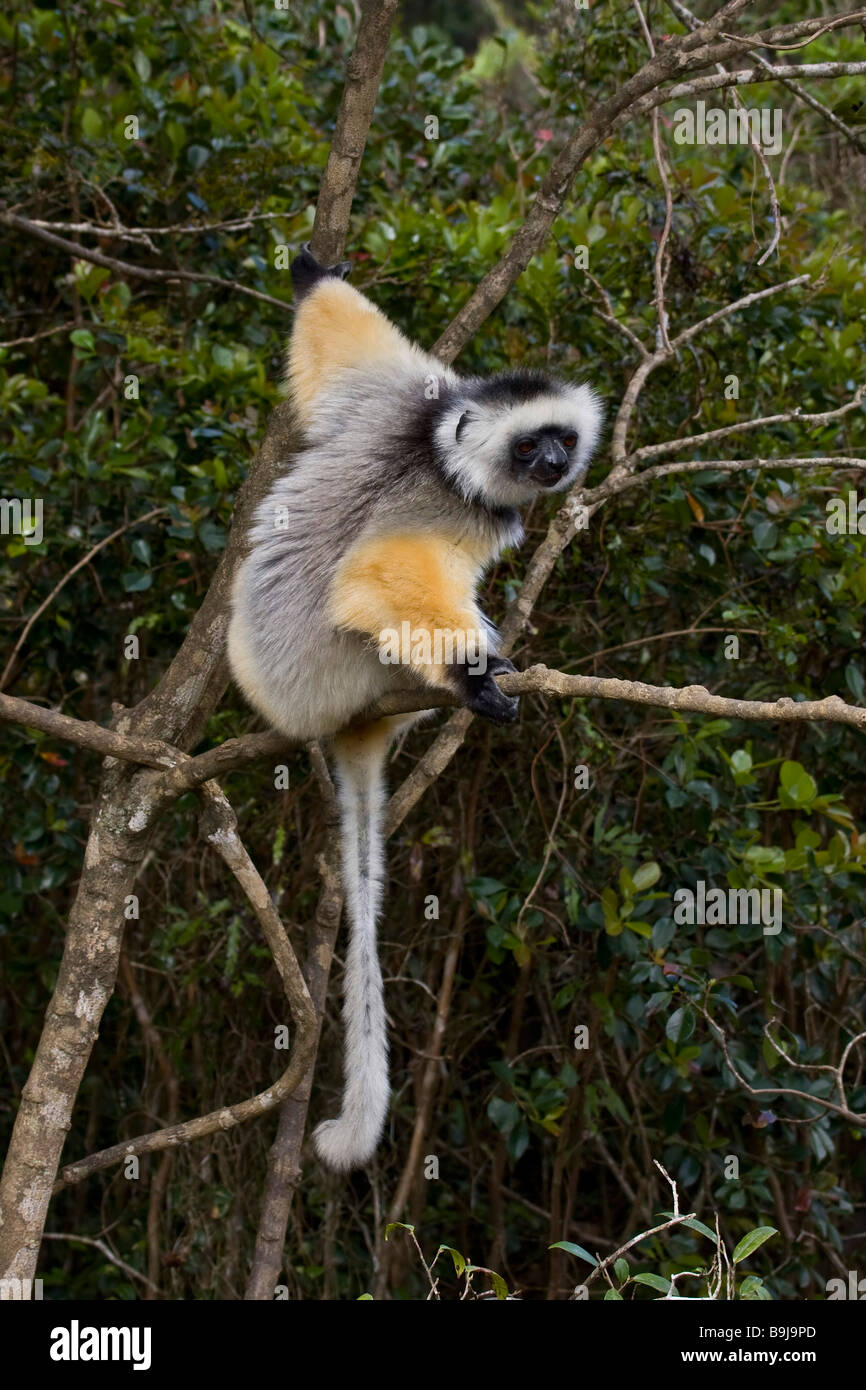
(335,327)
(363,743)
(414,595)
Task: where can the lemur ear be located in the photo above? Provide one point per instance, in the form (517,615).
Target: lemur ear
(461,424)
(306,272)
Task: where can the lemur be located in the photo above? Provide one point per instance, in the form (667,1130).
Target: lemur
(403,491)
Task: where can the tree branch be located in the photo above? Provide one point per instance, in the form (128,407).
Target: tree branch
(152,752)
(219,824)
(135,272)
(693,699)
(829,1106)
(696,441)
(363,78)
(741,77)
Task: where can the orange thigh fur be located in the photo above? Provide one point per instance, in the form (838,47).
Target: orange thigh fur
(424,581)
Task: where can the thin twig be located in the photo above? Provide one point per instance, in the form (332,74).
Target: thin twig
(135,272)
(696,441)
(107,1252)
(660,265)
(34,618)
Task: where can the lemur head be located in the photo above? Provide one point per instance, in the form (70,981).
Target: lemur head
(514,435)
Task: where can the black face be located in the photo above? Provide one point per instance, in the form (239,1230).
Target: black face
(544,456)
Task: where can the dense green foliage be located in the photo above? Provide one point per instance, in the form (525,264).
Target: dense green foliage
(561,898)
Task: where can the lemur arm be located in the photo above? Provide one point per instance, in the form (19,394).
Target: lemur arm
(335,327)
(414,595)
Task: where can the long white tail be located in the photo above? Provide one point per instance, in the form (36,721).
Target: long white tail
(350,1140)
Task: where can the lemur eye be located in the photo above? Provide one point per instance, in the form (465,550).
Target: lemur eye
(525,447)
(569,440)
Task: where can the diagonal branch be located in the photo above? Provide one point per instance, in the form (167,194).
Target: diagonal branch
(741,77)
(805,98)
(647,366)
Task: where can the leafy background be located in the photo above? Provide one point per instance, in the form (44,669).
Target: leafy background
(560,898)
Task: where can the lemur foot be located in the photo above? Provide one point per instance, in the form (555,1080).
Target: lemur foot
(306,271)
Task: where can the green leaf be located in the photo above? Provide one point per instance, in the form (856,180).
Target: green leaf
(503,1113)
(768,859)
(364,1298)
(742,981)
(765,534)
(769,1054)
(610,910)
(750,1243)
(134,581)
(647,875)
(752,1288)
(83,338)
(459,1261)
(196,156)
(498,1283)
(91,123)
(653,1281)
(695,1225)
(663,933)
(397,1226)
(681,1025)
(642,928)
(796,787)
(621,1270)
(485,887)
(613,1296)
(626,883)
(573,1249)
(142,65)
(211,535)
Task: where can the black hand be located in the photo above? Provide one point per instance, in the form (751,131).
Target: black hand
(499,665)
(482,695)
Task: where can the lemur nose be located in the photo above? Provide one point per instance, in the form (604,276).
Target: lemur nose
(553,454)
(551,460)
